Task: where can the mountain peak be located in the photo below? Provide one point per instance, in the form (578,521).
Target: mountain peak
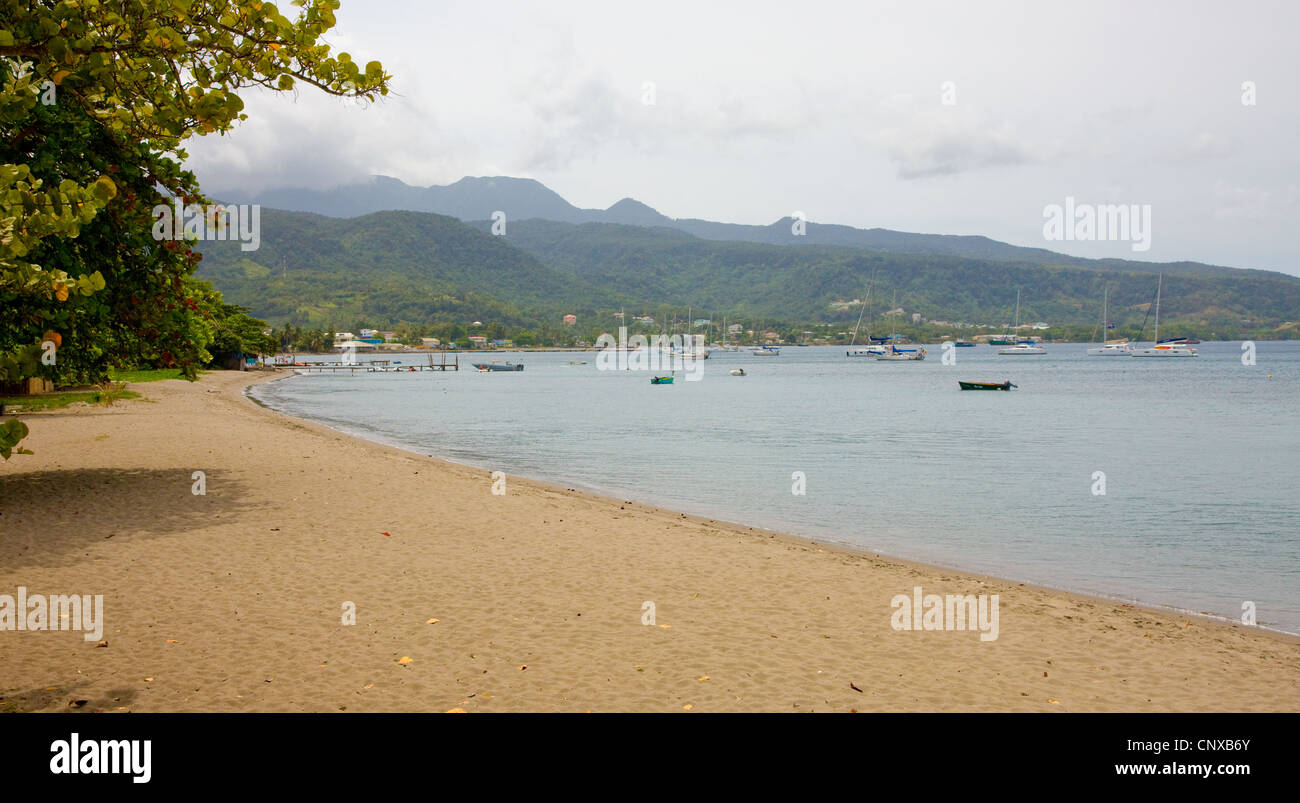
(631,212)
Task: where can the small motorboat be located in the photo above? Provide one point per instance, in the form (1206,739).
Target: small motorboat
(661,380)
(737,371)
(497,365)
(986,385)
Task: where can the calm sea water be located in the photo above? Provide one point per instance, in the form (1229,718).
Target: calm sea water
(1200,456)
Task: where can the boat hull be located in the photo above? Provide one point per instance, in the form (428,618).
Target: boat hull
(985,385)
(1164,352)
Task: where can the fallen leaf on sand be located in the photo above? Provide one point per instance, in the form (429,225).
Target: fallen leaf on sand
(368,686)
(431,622)
(148,680)
(456,711)
(173,641)
(687,707)
(103,643)
(1054,702)
(404,660)
(523,667)
(390,535)
(702,678)
(666,627)
(855,688)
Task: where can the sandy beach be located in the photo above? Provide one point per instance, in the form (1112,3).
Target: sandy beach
(534,600)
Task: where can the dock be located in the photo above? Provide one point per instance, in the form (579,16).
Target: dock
(377,366)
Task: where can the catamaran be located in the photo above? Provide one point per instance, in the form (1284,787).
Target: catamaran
(1024,346)
(895,354)
(1119,347)
(1158,347)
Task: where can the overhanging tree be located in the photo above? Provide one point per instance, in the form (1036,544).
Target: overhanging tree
(96,99)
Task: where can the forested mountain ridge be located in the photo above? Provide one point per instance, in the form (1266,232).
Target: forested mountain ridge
(478,198)
(393,267)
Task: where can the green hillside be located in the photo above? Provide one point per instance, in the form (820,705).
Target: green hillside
(389,268)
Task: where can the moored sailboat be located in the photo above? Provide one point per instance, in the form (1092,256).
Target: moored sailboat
(1119,347)
(1158,347)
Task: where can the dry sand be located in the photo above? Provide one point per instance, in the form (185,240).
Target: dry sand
(233,601)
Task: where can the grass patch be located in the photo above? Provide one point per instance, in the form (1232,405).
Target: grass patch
(54,401)
(145,374)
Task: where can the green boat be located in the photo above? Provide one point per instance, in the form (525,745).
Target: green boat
(661,380)
(1001,341)
(986,385)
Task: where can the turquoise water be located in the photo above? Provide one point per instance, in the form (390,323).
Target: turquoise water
(1200,456)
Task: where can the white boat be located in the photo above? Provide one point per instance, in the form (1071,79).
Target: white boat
(1158,349)
(688,352)
(1024,347)
(765,351)
(902,355)
(864,351)
(1110,348)
(737,371)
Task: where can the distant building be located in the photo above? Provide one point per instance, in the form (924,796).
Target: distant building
(702,322)
(368,333)
(570,320)
(735,327)
(430,342)
(646,319)
(339,337)
(916,317)
(356,345)
(503,343)
(477,340)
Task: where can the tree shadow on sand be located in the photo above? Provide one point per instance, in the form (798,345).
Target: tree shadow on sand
(50,518)
(70,697)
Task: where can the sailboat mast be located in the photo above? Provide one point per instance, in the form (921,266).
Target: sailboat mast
(1159,282)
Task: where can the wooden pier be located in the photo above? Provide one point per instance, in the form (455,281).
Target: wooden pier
(377,366)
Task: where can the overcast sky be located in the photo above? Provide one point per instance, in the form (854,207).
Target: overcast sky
(833,109)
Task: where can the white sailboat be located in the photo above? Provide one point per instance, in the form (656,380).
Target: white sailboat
(1024,346)
(864,351)
(1109,348)
(1157,348)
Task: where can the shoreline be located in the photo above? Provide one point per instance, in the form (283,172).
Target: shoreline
(531,601)
(609,496)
